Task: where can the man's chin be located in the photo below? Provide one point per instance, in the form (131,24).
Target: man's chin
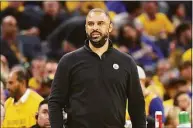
(96,41)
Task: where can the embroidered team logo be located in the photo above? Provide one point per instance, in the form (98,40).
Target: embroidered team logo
(115,66)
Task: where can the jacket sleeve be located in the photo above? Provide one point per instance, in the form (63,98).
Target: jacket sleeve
(59,93)
(136,103)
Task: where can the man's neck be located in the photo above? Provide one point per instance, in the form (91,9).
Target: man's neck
(99,51)
(151,16)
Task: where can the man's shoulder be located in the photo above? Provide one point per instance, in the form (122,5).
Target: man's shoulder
(72,55)
(35,96)
(8,102)
(122,55)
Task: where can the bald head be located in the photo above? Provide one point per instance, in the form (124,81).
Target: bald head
(9,19)
(9,26)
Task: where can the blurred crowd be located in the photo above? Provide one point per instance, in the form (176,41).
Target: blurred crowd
(35,35)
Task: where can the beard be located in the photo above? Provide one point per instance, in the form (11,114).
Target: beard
(97,43)
(14,93)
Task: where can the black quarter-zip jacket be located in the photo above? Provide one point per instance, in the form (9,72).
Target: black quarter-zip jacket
(95,90)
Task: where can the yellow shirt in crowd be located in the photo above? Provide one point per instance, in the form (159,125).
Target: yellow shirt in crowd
(33,83)
(156,26)
(22,113)
(157,87)
(187,55)
(5,4)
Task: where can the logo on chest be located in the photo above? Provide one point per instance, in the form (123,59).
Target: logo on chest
(116,66)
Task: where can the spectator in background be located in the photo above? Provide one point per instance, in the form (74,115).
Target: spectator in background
(50,68)
(37,69)
(53,16)
(144,51)
(15,9)
(172,119)
(184,36)
(66,32)
(185,69)
(45,87)
(179,14)
(173,86)
(16,48)
(156,85)
(182,100)
(182,43)
(42,118)
(134,9)
(4,68)
(152,102)
(23,103)
(150,19)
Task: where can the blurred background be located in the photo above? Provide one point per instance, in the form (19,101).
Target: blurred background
(158,35)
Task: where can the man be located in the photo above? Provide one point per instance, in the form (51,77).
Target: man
(50,68)
(152,102)
(149,20)
(185,69)
(74,26)
(42,116)
(94,82)
(23,103)
(52,17)
(16,48)
(157,85)
(38,69)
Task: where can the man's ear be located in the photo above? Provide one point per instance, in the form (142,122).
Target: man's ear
(85,28)
(110,27)
(36,116)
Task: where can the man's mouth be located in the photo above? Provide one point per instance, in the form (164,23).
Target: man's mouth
(95,34)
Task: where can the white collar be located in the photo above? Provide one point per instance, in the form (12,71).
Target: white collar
(24,97)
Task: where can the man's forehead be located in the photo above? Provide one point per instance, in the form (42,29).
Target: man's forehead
(44,107)
(12,75)
(9,19)
(92,16)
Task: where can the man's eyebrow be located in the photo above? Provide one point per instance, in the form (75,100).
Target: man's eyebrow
(96,21)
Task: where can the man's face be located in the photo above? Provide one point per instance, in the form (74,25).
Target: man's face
(186,73)
(162,69)
(13,85)
(9,26)
(43,117)
(130,33)
(150,8)
(38,67)
(50,68)
(51,7)
(98,27)
(188,34)
(183,102)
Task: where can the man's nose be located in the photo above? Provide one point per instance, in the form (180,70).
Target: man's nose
(96,27)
